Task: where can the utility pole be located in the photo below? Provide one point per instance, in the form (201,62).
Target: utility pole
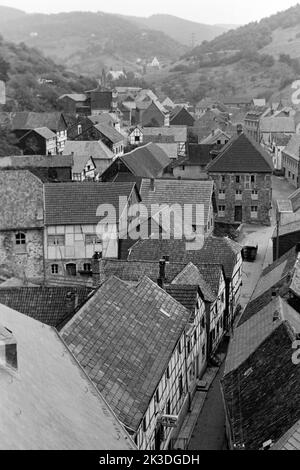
(277,229)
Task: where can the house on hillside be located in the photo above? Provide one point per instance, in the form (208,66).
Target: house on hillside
(75,104)
(85,154)
(101,100)
(252,124)
(39,141)
(181,117)
(160,135)
(155,115)
(22,122)
(194,165)
(113,139)
(217,137)
(242,175)
(237,101)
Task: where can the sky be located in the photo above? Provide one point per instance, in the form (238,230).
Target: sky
(202,11)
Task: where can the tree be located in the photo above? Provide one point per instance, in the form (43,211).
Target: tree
(8,143)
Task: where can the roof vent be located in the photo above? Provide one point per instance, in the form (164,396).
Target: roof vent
(248,372)
(8,349)
(276,316)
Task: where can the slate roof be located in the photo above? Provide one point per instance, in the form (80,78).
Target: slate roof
(262,394)
(274,278)
(169,148)
(124,338)
(217,250)
(88,148)
(184,294)
(77,202)
(147,161)
(180,192)
(49,305)
(290,440)
(251,334)
(30,120)
(241,154)
(49,403)
(178,132)
(43,132)
(110,133)
(293,147)
(277,124)
(191,275)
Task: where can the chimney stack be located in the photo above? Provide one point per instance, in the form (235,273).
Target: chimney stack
(96,266)
(162,273)
(239,129)
(152,184)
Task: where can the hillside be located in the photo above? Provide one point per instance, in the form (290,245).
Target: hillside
(86,42)
(25,70)
(183,31)
(258,59)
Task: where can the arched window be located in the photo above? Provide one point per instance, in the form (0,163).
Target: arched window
(20,238)
(54,268)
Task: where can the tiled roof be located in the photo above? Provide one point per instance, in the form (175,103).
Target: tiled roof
(77,202)
(147,161)
(30,120)
(44,132)
(293,147)
(275,277)
(217,250)
(262,394)
(213,135)
(49,403)
(88,148)
(249,335)
(287,228)
(277,124)
(237,100)
(124,338)
(178,191)
(110,133)
(49,305)
(169,148)
(36,161)
(290,440)
(184,294)
(191,275)
(242,154)
(178,132)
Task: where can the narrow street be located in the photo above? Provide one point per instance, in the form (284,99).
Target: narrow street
(209,432)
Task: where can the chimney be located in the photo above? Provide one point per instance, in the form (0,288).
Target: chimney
(8,349)
(152,184)
(96,266)
(239,129)
(162,273)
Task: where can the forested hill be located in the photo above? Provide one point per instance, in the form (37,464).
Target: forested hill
(33,81)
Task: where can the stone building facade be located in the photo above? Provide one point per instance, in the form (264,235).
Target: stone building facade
(21,224)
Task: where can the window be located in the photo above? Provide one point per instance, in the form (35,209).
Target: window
(237,179)
(238,194)
(252,178)
(189,346)
(222,297)
(168,373)
(168,408)
(20,238)
(254,211)
(87,267)
(203,350)
(203,322)
(157,396)
(222,193)
(92,239)
(253,208)
(79,129)
(221,210)
(195,336)
(54,268)
(183,167)
(180,386)
(179,347)
(136,138)
(56,240)
(144,424)
(254,194)
(223,178)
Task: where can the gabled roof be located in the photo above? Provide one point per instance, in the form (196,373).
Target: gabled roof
(30,120)
(36,161)
(181,112)
(217,250)
(110,133)
(191,275)
(178,191)
(290,440)
(241,154)
(184,294)
(147,161)
(49,305)
(74,96)
(293,147)
(287,228)
(277,124)
(88,148)
(215,134)
(124,337)
(77,202)
(262,389)
(178,132)
(42,131)
(49,403)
